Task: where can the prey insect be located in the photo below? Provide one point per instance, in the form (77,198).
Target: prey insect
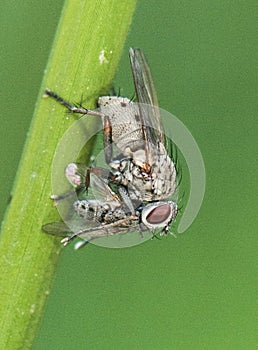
(134,193)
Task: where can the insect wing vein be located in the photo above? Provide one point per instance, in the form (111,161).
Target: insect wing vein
(147,97)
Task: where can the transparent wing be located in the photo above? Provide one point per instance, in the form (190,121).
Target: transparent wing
(95,179)
(146,95)
(59,229)
(76,224)
(101,190)
(72,228)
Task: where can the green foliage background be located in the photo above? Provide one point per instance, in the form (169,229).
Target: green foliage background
(196,291)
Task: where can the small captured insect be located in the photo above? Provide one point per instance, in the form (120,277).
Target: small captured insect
(134,192)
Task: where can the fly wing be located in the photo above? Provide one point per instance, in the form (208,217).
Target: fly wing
(76,224)
(146,95)
(102,190)
(87,234)
(59,229)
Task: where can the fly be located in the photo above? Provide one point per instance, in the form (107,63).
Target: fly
(133,194)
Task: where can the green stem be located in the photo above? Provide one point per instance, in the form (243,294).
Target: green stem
(86,51)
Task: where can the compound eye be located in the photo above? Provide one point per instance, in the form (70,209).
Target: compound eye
(159,215)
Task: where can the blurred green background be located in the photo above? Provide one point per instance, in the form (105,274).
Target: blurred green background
(193,292)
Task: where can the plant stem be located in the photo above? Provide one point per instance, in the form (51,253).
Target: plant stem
(85,54)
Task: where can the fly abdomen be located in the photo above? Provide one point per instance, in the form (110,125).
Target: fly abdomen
(91,209)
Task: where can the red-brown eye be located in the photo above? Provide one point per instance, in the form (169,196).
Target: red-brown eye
(159,214)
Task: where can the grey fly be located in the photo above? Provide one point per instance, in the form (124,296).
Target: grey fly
(133,193)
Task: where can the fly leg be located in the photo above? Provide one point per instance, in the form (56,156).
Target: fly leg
(78,175)
(126,199)
(89,234)
(82,110)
